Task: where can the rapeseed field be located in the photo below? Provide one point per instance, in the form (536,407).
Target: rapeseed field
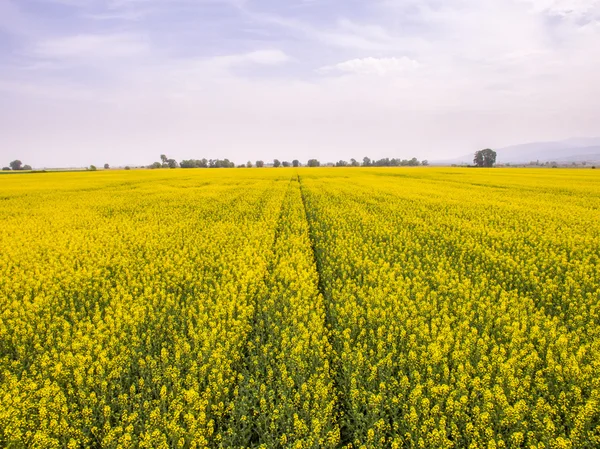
(301,308)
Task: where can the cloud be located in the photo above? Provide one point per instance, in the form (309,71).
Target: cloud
(373,66)
(574,8)
(344,34)
(262,57)
(120,5)
(92,46)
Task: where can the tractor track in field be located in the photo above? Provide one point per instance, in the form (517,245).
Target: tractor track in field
(334,359)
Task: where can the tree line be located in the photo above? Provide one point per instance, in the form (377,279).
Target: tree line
(166,162)
(483,158)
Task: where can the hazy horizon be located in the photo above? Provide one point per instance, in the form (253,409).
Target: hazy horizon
(121,81)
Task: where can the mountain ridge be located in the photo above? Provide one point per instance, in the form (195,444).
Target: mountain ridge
(569,150)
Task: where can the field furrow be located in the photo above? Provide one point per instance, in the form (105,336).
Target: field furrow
(285,397)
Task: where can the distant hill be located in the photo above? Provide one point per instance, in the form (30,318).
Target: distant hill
(570,150)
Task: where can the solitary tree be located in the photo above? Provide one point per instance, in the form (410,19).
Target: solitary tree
(106,166)
(296,163)
(249,164)
(260,164)
(485,158)
(425,162)
(27,167)
(285,164)
(93,168)
(276,163)
(313,163)
(16,165)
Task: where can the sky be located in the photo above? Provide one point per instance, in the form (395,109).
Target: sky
(122,81)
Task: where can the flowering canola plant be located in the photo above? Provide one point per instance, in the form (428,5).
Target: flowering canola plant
(464,305)
(302,308)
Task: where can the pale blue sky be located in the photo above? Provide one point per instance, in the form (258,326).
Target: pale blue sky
(122,81)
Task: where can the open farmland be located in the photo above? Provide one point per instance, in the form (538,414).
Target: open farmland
(304,308)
